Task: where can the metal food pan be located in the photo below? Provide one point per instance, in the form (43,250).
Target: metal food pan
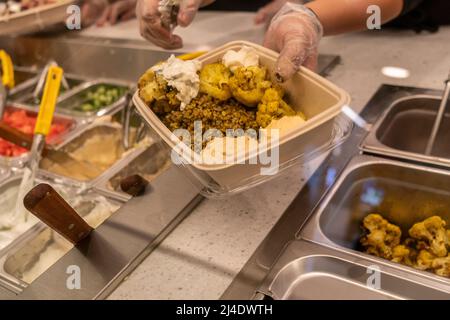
(73,98)
(307,271)
(405,128)
(27,251)
(23,77)
(148,163)
(77,140)
(4,173)
(24,92)
(71,123)
(402,193)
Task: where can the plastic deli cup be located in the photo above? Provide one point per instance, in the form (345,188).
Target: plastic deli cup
(319,100)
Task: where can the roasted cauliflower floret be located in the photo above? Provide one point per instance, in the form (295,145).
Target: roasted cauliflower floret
(272,106)
(155,92)
(382,236)
(424,260)
(432,232)
(214,80)
(248,84)
(149,88)
(403,254)
(441,266)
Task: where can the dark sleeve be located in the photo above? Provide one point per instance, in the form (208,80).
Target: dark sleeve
(409,5)
(420,15)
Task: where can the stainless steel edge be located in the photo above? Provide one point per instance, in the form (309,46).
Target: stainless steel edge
(25,86)
(395,284)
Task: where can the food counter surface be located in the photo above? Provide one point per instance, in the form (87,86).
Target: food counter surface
(200,258)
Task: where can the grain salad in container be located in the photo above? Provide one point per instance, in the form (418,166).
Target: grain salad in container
(230,125)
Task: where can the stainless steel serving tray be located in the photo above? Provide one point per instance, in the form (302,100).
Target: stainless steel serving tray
(23,77)
(23,252)
(403,193)
(403,130)
(23,93)
(19,161)
(4,173)
(151,161)
(69,98)
(309,271)
(78,137)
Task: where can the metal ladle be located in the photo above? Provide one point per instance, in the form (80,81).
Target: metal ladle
(440,115)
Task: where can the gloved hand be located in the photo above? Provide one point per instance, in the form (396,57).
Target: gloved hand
(295,32)
(91,10)
(266,13)
(120,10)
(151,27)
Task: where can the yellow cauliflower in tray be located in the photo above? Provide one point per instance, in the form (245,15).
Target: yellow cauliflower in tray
(424,260)
(441,266)
(272,106)
(382,236)
(403,254)
(248,84)
(214,81)
(432,233)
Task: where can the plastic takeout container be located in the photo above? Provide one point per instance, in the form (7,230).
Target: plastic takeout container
(35,19)
(319,99)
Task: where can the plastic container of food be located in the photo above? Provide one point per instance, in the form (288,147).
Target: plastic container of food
(35,19)
(321,102)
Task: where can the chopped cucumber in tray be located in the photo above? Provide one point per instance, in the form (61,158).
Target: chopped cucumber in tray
(99,97)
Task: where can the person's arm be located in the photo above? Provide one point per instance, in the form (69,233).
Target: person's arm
(296,29)
(351,15)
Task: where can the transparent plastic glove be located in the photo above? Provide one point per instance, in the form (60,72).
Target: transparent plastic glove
(120,10)
(151,27)
(91,10)
(266,13)
(295,32)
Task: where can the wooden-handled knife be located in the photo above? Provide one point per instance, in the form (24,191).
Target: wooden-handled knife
(48,205)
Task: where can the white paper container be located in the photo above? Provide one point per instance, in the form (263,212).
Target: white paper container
(35,19)
(321,102)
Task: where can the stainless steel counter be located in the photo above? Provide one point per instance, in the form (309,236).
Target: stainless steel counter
(200,259)
(250,281)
